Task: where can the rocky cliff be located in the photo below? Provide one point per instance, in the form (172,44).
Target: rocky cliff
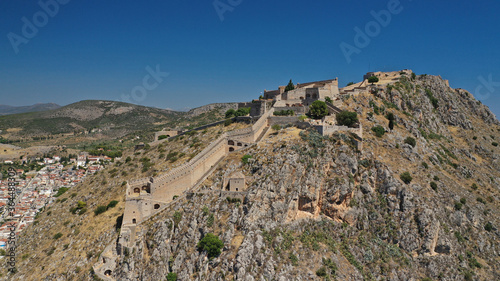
(418,202)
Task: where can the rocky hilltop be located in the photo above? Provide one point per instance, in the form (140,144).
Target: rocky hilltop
(419,201)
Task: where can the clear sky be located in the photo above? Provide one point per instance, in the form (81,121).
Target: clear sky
(231,50)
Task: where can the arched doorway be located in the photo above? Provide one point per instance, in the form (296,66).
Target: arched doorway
(157,206)
(231,149)
(137,190)
(134,221)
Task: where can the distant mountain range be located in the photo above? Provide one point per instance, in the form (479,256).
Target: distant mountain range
(112,118)
(7,109)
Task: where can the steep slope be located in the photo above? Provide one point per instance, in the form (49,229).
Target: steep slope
(41,256)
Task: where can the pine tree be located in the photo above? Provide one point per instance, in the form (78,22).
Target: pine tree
(290,86)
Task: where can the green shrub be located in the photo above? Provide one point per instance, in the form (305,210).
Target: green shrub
(211,244)
(228,122)
(99,210)
(81,204)
(293,258)
(474,186)
(463,200)
(177,217)
(458,206)
(321,272)
(245,158)
(378,130)
(430,95)
(434,185)
(57,236)
(230,113)
(172,276)
(406,177)
(488,226)
(411,141)
(276,127)
(112,204)
(61,191)
(288,112)
(373,79)
(425,165)
(459,237)
(494,143)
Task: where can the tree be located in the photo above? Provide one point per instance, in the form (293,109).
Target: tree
(373,79)
(290,86)
(328,99)
(347,118)
(211,244)
(318,109)
(378,130)
(350,83)
(390,116)
(411,141)
(172,276)
(230,113)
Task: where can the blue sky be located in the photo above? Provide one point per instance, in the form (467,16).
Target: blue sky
(103,49)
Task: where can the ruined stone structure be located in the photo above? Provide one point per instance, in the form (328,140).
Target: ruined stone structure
(235,182)
(148,196)
(304,94)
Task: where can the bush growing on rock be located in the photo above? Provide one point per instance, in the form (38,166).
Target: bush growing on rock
(245,158)
(210,244)
(406,177)
(411,141)
(488,226)
(378,130)
(172,276)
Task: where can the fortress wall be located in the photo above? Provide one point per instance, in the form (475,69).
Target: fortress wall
(296,109)
(283,120)
(185,176)
(260,125)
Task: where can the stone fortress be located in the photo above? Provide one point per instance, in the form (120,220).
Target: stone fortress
(148,196)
